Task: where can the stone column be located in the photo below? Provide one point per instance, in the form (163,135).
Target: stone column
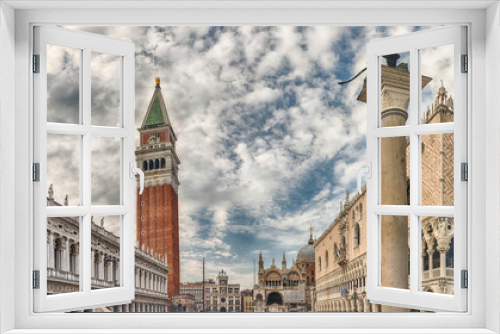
(76,258)
(68,254)
(93,264)
(137,282)
(431,262)
(117,270)
(395,97)
(51,253)
(101,265)
(394,188)
(442,263)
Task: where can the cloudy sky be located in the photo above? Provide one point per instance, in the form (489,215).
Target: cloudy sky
(268,140)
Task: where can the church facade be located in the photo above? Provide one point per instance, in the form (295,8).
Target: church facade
(286,289)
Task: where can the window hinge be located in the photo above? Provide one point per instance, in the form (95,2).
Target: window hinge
(36,63)
(36,279)
(464,171)
(465,64)
(36,172)
(465,279)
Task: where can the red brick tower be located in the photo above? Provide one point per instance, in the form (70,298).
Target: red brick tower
(157,228)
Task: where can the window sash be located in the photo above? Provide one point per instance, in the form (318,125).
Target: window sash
(413,298)
(87,43)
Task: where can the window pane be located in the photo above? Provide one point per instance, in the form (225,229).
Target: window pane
(105,241)
(106,171)
(395,89)
(63,169)
(437,169)
(437,254)
(63,255)
(106,90)
(437,100)
(63,84)
(395,170)
(395,251)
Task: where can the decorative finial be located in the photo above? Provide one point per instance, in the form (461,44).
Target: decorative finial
(51,191)
(66,200)
(157,82)
(102,222)
(273,263)
(311,240)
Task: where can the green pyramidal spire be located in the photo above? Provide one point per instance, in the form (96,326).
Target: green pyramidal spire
(157,112)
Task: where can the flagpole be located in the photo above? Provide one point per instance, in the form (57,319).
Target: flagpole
(203,284)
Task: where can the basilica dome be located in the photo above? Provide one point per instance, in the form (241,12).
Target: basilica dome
(306,254)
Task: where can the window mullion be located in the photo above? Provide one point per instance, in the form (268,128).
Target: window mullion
(415,175)
(85,246)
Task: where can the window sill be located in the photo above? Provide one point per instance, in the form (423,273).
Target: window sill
(248,331)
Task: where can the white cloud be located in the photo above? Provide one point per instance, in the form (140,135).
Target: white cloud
(256,110)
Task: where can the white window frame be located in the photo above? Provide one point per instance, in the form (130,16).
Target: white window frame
(413,43)
(85,298)
(483,312)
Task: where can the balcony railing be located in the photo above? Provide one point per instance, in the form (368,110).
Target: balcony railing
(62,275)
(342,260)
(436,273)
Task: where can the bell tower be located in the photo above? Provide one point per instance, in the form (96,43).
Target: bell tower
(157,227)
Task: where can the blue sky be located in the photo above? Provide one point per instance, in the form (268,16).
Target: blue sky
(268,141)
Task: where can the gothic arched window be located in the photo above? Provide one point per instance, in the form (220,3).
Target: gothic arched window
(319,263)
(145,165)
(356,235)
(162,163)
(157,164)
(360,210)
(151,164)
(326,258)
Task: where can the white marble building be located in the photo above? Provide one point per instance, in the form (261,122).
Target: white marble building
(63,252)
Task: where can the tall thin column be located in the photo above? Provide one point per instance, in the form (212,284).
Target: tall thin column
(442,262)
(395,97)
(50,250)
(100,260)
(93,264)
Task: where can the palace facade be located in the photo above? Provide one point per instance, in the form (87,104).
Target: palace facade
(341,248)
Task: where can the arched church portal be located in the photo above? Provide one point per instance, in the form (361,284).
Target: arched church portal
(274,298)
